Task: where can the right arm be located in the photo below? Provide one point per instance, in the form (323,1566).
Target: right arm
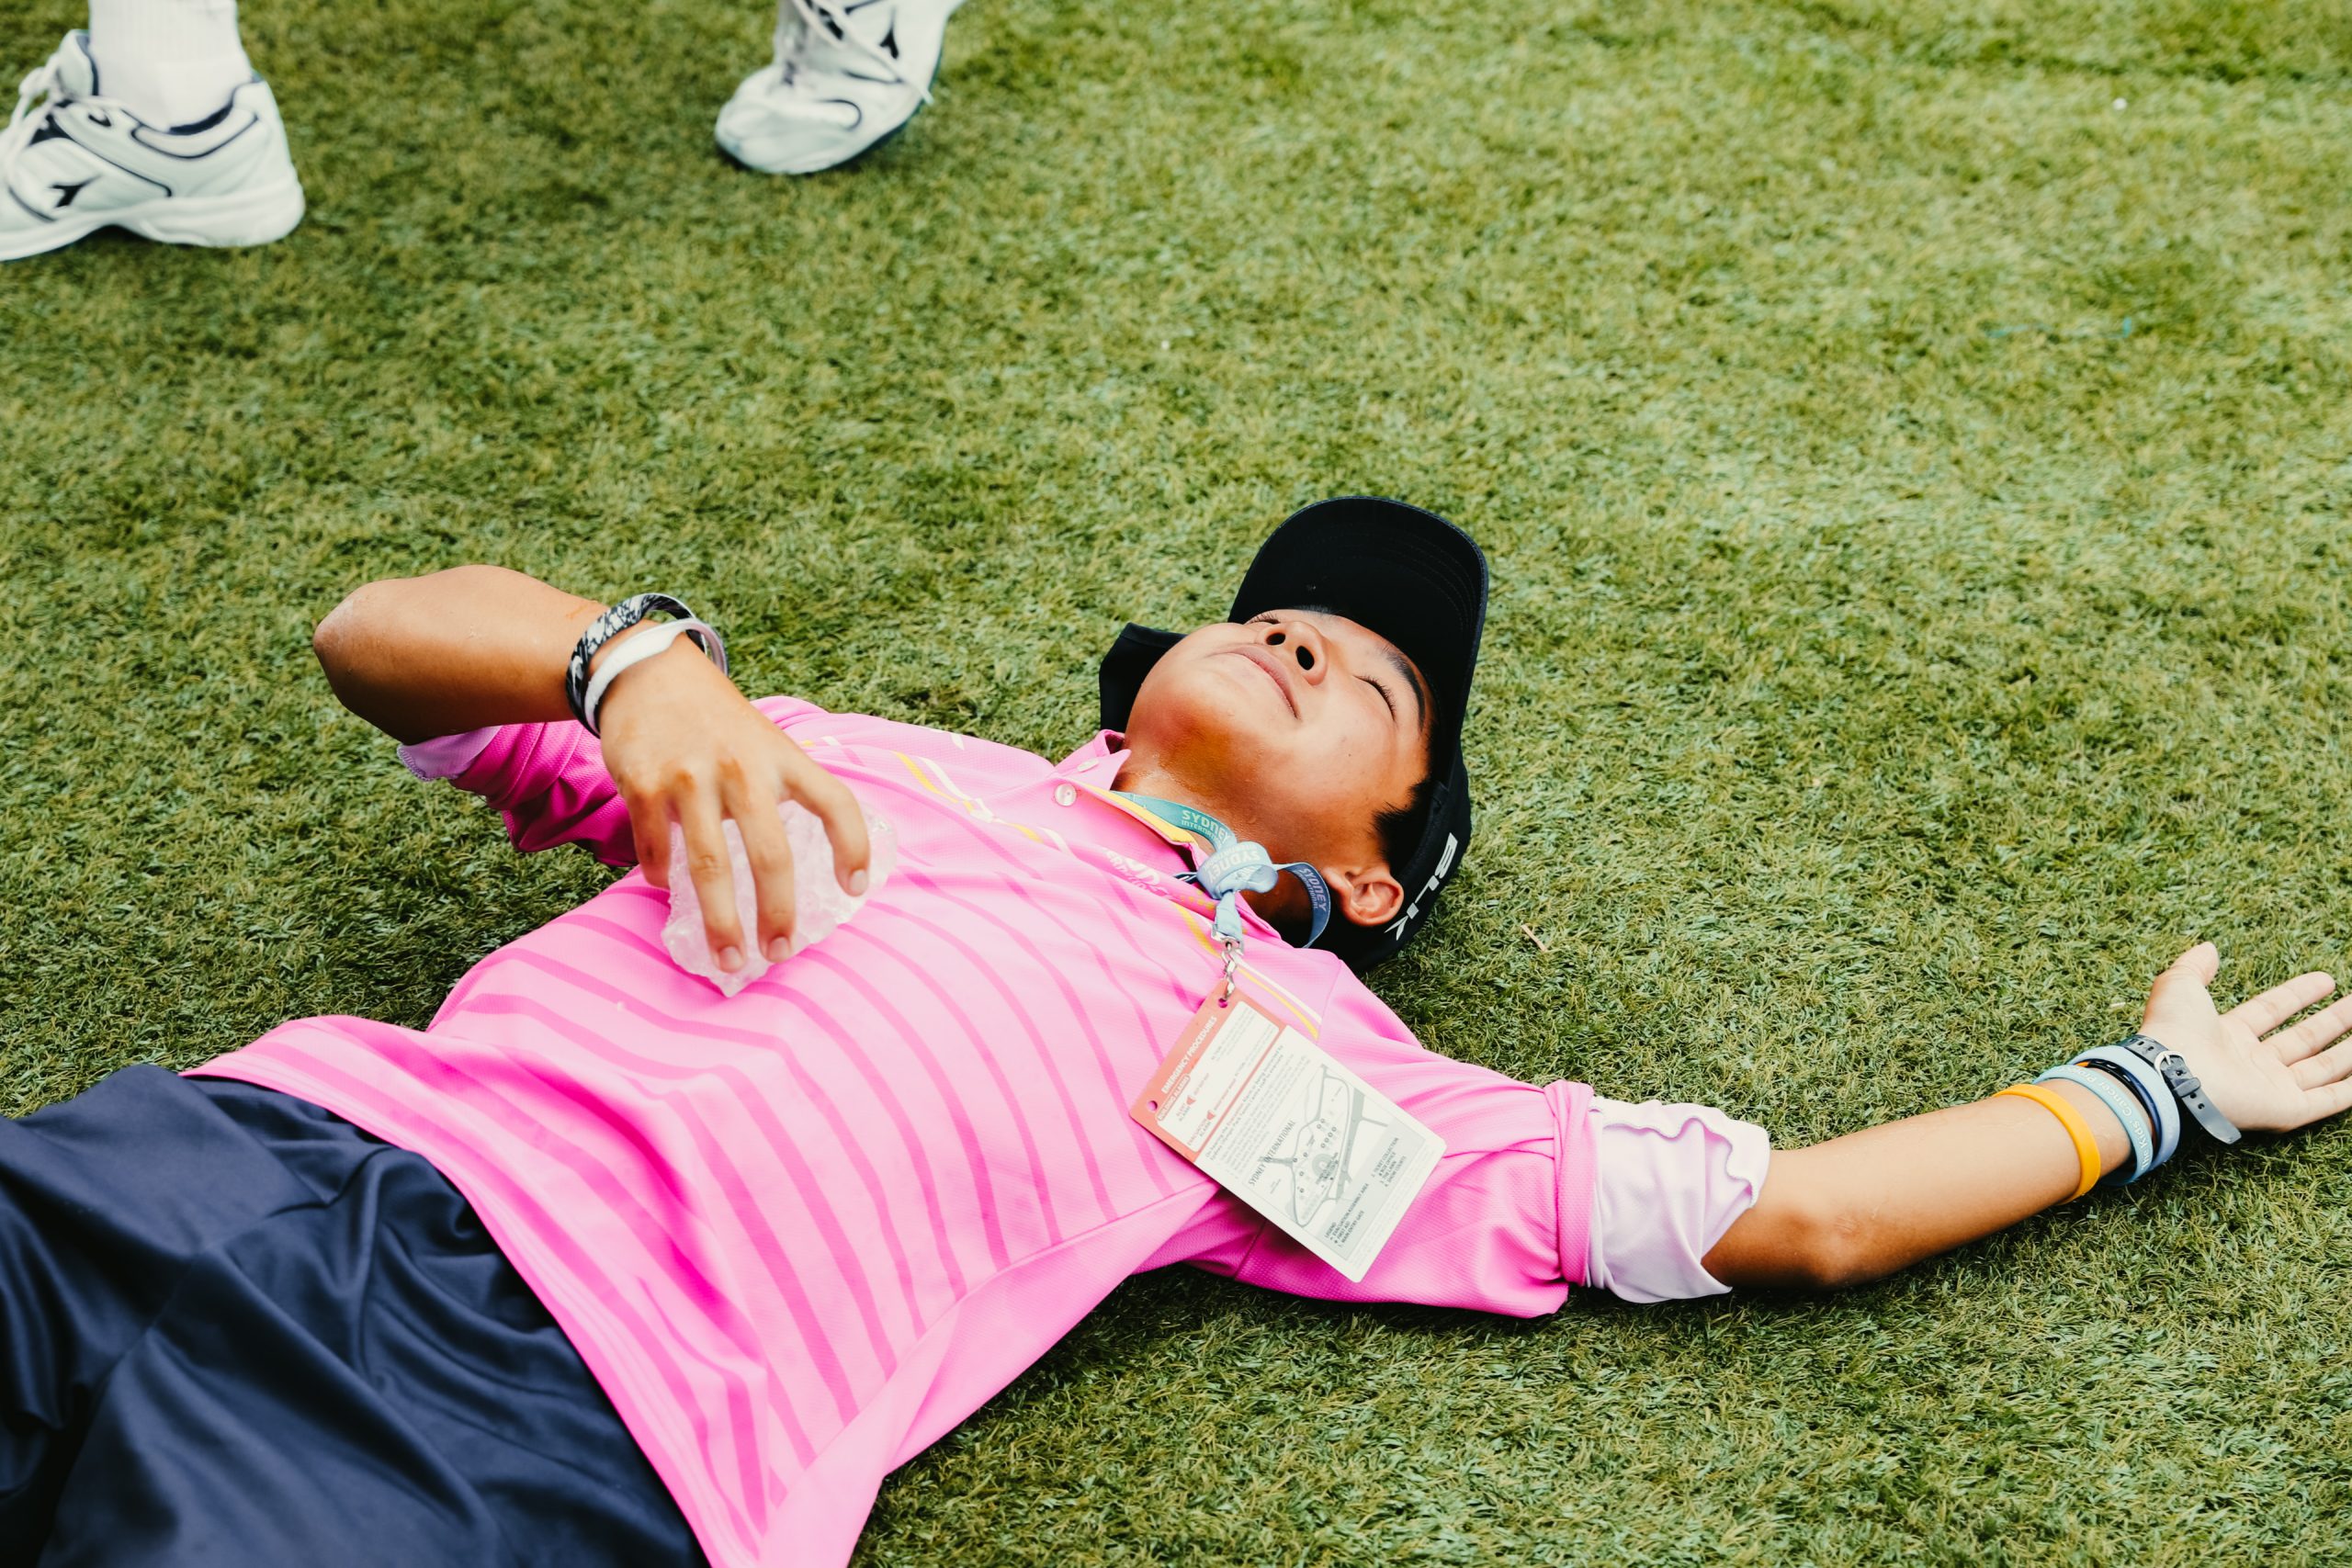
(478,646)
(466,649)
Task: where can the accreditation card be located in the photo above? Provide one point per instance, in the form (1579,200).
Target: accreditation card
(1286,1128)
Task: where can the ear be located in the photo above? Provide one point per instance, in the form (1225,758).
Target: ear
(1366,895)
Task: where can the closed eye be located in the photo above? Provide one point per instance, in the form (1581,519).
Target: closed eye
(1384,694)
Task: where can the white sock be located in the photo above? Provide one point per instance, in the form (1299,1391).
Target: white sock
(171,62)
(789,25)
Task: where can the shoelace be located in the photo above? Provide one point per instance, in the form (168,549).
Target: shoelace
(39,91)
(817,19)
(791,37)
(39,85)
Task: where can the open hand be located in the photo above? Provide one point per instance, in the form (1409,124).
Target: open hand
(684,745)
(2259,1080)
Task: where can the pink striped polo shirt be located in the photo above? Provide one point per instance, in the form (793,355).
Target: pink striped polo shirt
(799,1234)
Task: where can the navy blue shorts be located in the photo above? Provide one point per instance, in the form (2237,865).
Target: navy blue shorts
(235,1329)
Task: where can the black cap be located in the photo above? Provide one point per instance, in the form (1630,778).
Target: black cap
(1418,580)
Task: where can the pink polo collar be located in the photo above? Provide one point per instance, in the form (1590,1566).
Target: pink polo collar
(1095,766)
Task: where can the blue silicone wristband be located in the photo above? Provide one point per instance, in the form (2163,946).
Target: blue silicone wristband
(2154,1095)
(2127,1109)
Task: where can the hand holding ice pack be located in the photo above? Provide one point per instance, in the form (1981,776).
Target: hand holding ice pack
(819,903)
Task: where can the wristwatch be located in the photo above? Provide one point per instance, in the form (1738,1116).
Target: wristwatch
(2174,1069)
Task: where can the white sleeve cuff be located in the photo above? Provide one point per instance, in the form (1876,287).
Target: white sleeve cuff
(446,756)
(1668,1180)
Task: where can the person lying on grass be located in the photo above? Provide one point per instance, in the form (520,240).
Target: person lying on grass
(605,1266)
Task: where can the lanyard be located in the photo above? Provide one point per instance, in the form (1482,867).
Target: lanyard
(1235,865)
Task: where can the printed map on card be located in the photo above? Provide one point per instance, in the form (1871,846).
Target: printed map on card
(1284,1126)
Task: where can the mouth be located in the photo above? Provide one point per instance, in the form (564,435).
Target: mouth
(1272,669)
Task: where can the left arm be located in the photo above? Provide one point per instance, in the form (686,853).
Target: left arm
(1862,1206)
(480,646)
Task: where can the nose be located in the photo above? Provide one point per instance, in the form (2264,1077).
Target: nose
(1304,643)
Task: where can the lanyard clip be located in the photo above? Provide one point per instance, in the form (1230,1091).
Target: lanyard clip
(1227,931)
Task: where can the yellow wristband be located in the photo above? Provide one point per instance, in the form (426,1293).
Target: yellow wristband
(2085,1145)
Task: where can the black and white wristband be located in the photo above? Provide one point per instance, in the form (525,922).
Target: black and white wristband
(584,696)
(2185,1085)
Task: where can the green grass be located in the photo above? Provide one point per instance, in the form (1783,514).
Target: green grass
(1914,445)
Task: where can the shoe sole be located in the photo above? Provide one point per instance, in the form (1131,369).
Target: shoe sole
(843,161)
(242,218)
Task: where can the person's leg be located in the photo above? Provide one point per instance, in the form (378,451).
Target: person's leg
(847,76)
(359,1379)
(173,62)
(104,1200)
(155,122)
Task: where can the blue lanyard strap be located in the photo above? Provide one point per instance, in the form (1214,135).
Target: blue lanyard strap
(1235,865)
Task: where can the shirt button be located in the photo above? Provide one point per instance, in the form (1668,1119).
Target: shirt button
(1065,796)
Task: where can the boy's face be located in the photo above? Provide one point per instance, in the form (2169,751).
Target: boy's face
(1297,729)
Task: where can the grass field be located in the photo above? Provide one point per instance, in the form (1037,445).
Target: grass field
(1914,443)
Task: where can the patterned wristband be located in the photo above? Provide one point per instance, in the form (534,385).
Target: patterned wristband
(611,624)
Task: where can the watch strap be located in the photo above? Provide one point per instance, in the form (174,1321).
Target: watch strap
(2174,1068)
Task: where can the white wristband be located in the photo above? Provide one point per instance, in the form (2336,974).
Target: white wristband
(634,651)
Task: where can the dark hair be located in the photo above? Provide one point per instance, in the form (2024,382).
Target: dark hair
(1399,826)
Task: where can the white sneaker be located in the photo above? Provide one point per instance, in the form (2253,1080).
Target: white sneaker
(74,161)
(848,74)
